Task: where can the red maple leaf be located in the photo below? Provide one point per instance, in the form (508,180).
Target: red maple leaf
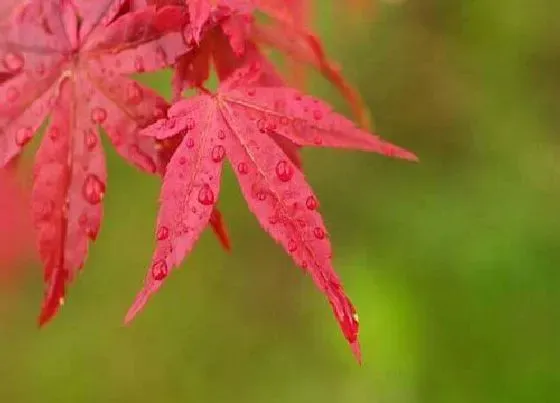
(235,124)
(72,58)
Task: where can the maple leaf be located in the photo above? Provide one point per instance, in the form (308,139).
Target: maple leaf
(236,123)
(72,58)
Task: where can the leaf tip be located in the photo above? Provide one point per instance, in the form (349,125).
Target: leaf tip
(136,307)
(356,350)
(219,227)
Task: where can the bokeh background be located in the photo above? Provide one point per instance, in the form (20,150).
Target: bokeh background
(452,263)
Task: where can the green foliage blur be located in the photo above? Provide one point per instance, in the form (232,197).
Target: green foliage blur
(453,263)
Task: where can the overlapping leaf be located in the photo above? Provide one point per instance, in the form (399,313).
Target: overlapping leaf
(72,58)
(236,123)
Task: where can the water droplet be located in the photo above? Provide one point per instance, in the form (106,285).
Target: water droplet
(98,115)
(311,203)
(23,135)
(304,265)
(273,220)
(251,92)
(218,153)
(206,195)
(319,233)
(182,161)
(292,246)
(159,270)
(261,125)
(261,195)
(90,229)
(139,64)
(284,171)
(93,189)
(90,139)
(12,93)
(162,233)
(317,114)
(134,94)
(221,134)
(297,97)
(190,142)
(243,168)
(190,124)
(13,62)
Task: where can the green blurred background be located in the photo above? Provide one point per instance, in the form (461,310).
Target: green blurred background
(452,263)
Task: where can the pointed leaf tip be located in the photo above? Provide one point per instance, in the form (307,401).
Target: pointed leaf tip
(136,307)
(356,350)
(219,227)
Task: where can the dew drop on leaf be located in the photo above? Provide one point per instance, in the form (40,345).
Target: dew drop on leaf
(319,233)
(159,270)
(317,114)
(206,195)
(23,135)
(243,168)
(284,171)
(292,245)
(162,233)
(13,62)
(98,115)
(93,189)
(311,203)
(261,125)
(190,142)
(218,153)
(90,231)
(221,134)
(182,161)
(90,139)
(190,124)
